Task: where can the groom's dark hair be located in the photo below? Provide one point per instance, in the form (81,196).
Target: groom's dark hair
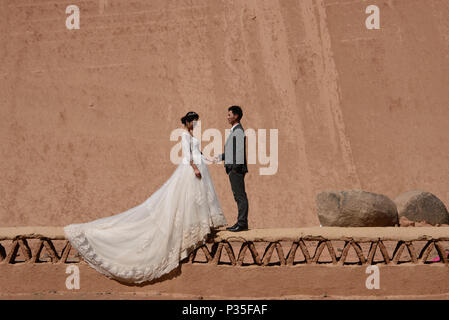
(236,110)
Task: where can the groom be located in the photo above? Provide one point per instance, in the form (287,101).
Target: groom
(235,164)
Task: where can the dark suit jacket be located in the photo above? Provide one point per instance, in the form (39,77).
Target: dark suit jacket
(234,155)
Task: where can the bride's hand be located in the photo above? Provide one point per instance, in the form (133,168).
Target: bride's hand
(197,173)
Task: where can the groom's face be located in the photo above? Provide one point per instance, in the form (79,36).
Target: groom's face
(232,118)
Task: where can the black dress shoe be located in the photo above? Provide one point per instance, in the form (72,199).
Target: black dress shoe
(239,228)
(232,227)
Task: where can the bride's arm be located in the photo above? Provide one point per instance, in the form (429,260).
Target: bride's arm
(187,154)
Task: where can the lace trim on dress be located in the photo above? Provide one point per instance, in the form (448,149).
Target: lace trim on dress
(218,219)
(194,236)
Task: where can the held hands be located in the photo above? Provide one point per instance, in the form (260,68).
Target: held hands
(213,160)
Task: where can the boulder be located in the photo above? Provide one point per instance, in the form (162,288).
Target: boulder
(356,208)
(421,206)
(404,222)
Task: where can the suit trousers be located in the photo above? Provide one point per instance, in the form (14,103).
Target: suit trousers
(238,189)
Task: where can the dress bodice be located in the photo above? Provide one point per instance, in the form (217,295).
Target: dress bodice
(191,148)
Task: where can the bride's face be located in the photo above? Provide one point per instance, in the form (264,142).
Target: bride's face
(192,124)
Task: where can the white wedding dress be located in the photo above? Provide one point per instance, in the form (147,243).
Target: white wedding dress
(150,239)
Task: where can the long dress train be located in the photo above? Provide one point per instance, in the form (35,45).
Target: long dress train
(150,239)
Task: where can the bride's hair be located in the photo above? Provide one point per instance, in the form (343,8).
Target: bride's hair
(190,116)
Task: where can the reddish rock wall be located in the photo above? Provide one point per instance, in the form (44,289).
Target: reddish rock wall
(85,115)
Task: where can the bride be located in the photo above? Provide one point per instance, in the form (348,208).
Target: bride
(150,239)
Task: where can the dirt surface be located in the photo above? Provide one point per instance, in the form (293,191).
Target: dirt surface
(149,296)
(218,282)
(424,232)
